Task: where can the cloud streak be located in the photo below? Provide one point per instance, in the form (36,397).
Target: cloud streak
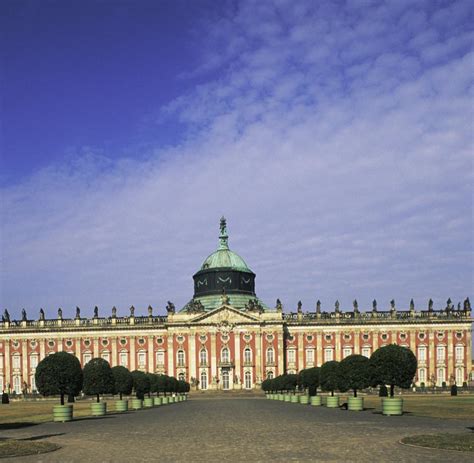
(338,144)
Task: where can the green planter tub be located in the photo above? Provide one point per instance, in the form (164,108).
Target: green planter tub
(137,404)
(294,399)
(316,400)
(332,401)
(392,406)
(157,401)
(98,408)
(148,402)
(287,398)
(281,397)
(62,413)
(355,404)
(121,405)
(165,400)
(304,399)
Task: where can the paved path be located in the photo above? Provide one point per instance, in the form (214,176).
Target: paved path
(240,429)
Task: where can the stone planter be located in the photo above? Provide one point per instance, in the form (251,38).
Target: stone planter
(294,399)
(137,404)
(304,399)
(62,413)
(332,401)
(316,400)
(281,397)
(121,405)
(355,404)
(287,397)
(157,401)
(148,402)
(98,408)
(392,406)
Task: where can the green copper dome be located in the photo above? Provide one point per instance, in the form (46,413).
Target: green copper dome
(224,257)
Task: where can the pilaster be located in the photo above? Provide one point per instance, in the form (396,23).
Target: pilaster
(319,349)
(114,359)
(238,369)
(170,371)
(300,364)
(133,354)
(24,361)
(192,355)
(213,361)
(431,354)
(281,354)
(151,355)
(258,359)
(337,335)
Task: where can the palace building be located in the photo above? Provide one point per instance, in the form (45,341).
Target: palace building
(226,338)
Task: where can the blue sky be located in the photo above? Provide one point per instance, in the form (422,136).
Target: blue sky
(335,136)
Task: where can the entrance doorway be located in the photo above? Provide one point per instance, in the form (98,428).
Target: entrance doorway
(225,380)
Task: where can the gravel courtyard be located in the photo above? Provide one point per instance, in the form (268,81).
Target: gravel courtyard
(240,429)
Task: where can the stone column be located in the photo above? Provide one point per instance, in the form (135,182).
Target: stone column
(300,365)
(7,365)
(114,359)
(258,357)
(468,356)
(95,347)
(432,358)
(412,334)
(78,349)
(356,334)
(375,340)
(337,335)
(170,371)
(238,369)
(281,354)
(151,355)
(213,361)
(192,355)
(60,344)
(450,355)
(133,354)
(24,362)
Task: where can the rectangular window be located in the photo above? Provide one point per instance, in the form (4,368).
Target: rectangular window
(33,361)
(87,358)
(422,375)
(459,352)
(310,355)
(16,361)
(123,359)
(346,352)
(33,383)
(422,354)
(328,354)
(366,352)
(291,356)
(440,353)
(141,359)
(160,358)
(106,356)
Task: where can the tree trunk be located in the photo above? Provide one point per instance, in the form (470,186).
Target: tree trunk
(355,392)
(392,389)
(120,395)
(62,399)
(332,393)
(98,398)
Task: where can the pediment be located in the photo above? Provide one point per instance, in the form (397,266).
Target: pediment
(225,314)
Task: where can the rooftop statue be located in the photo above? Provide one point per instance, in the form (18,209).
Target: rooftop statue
(336,305)
(132,311)
(467,305)
(430,305)
(41,314)
(279,305)
(170,308)
(300,307)
(23,315)
(96,312)
(318,306)
(374,305)
(224,298)
(150,311)
(60,313)
(392,304)
(412,305)
(355,305)
(78,312)
(114,311)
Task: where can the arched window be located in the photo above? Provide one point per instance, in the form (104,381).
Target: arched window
(123,358)
(203,357)
(203,380)
(225,355)
(459,376)
(247,355)
(270,375)
(248,380)
(225,380)
(180,358)
(270,355)
(17,384)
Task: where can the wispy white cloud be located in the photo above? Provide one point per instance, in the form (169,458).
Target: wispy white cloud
(339,145)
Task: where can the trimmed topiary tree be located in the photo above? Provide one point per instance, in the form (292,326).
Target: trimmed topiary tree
(329,376)
(393,365)
(354,373)
(123,381)
(309,379)
(141,383)
(98,378)
(59,374)
(161,384)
